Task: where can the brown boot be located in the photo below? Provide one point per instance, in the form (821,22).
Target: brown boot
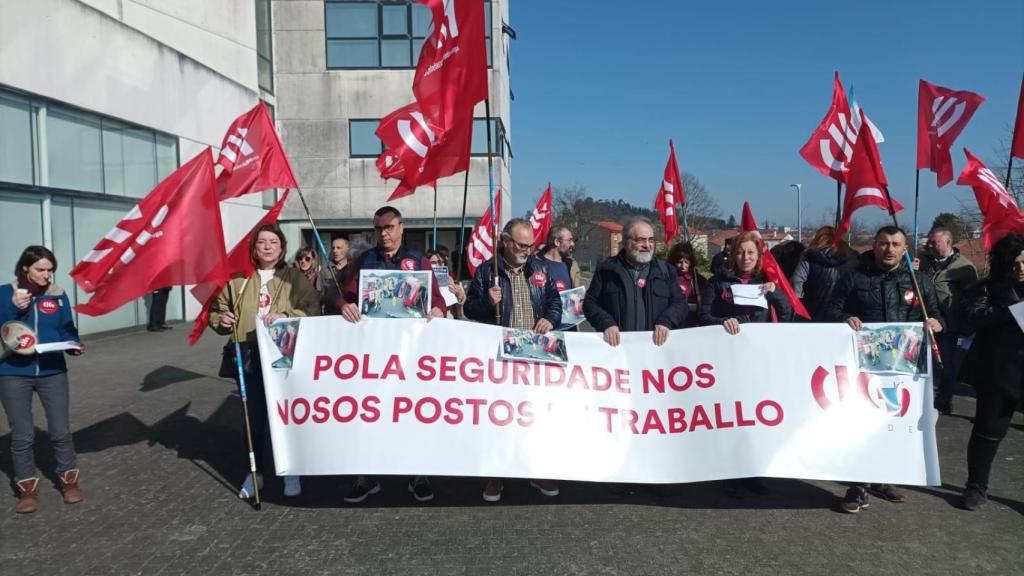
(70,488)
(28,492)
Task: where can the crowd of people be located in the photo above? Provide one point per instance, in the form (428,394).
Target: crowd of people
(632,291)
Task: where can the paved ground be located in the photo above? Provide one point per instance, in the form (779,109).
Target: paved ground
(161,456)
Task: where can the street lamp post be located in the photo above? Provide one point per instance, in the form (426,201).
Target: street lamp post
(799,225)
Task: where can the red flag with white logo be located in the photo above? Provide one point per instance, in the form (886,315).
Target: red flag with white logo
(451,75)
(482,243)
(1001,214)
(670,195)
(239,261)
(867,185)
(1017,149)
(252,157)
(830,146)
(540,220)
(420,152)
(942,115)
(770,266)
(173,236)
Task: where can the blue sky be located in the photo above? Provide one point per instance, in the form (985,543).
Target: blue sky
(601,86)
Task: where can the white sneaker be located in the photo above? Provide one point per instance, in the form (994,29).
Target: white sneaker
(292,486)
(247,489)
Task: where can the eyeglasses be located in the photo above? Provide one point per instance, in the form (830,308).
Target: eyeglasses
(520,247)
(306,259)
(635,240)
(390,229)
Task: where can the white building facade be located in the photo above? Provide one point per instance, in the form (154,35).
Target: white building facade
(339,67)
(100,100)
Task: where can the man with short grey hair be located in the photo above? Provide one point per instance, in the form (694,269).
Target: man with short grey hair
(633,291)
(952,274)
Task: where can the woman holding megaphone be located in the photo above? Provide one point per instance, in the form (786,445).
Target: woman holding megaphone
(34,310)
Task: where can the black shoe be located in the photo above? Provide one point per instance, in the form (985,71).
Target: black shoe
(153,328)
(856,500)
(362,489)
(974,497)
(420,489)
(165,327)
(756,486)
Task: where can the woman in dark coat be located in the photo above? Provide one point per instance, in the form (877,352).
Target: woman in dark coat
(995,362)
(819,270)
(683,258)
(742,267)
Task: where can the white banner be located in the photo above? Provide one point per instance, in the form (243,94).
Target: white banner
(777,400)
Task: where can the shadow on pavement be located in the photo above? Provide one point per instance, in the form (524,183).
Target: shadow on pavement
(951,494)
(165,376)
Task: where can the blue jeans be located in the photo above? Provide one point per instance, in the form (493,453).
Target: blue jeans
(16,395)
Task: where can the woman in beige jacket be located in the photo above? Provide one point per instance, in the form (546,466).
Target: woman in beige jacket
(272,292)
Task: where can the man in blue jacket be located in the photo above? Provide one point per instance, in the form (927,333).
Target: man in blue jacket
(526,296)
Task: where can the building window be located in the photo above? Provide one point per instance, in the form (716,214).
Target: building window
(363,143)
(264,46)
(269,197)
(70,149)
(383,34)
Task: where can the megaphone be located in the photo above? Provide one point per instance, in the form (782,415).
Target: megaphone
(17,338)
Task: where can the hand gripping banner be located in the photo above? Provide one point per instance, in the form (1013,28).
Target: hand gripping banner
(812,401)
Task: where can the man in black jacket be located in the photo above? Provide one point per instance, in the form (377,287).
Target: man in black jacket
(633,291)
(881,289)
(528,299)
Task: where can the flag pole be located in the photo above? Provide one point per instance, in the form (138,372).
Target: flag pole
(917,199)
(320,244)
(494,217)
(839,200)
(917,287)
(1016,125)
(245,402)
(434,247)
(462,226)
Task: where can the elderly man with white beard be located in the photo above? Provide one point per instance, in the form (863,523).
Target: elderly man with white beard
(635,292)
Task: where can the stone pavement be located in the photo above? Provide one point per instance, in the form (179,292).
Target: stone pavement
(161,456)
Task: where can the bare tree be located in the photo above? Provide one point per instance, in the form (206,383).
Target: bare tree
(702,209)
(574,209)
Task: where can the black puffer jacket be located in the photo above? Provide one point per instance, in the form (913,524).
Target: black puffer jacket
(995,362)
(816,276)
(875,295)
(543,294)
(717,304)
(612,298)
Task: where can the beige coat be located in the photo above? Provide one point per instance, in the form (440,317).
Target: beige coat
(291,295)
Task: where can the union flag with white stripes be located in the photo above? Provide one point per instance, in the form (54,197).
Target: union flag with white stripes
(1001,214)
(481,243)
(942,115)
(670,195)
(866,183)
(252,158)
(173,236)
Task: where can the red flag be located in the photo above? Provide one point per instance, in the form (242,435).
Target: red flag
(941,115)
(420,151)
(1017,149)
(1001,214)
(172,236)
(867,184)
(451,75)
(481,243)
(830,146)
(252,157)
(239,261)
(771,268)
(540,220)
(670,195)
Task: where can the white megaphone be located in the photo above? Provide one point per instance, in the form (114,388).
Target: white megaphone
(17,338)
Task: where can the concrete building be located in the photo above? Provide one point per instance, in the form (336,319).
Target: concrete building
(100,99)
(340,66)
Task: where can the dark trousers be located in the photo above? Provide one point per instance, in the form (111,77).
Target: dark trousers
(952,358)
(991,421)
(158,307)
(256,402)
(16,395)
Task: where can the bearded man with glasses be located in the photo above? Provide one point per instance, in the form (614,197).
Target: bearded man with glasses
(634,291)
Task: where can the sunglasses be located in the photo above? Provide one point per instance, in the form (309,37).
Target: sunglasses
(306,259)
